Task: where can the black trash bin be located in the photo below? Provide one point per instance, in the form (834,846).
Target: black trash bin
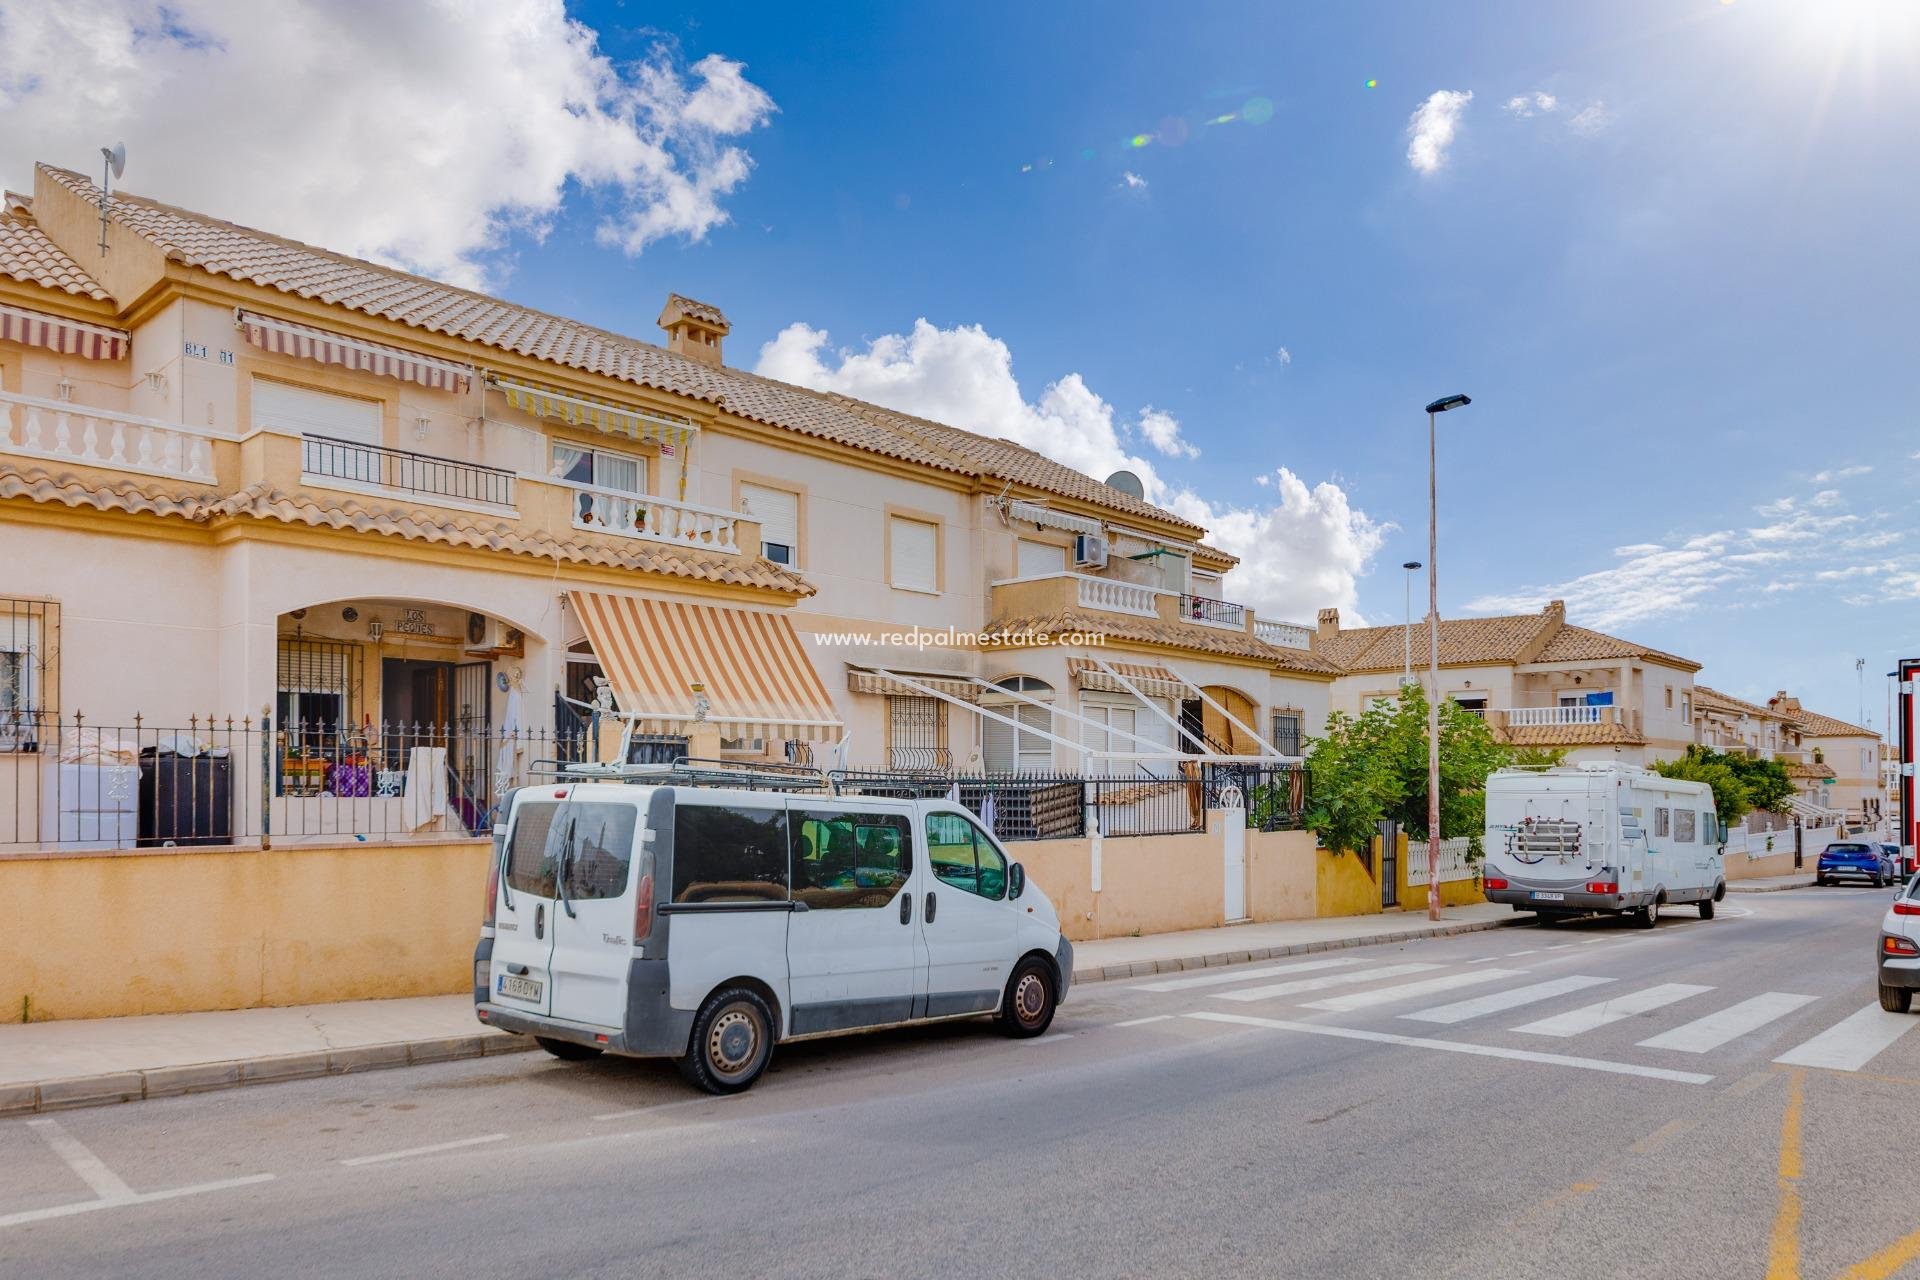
(185,799)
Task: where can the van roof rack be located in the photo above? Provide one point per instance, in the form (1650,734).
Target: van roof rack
(688,771)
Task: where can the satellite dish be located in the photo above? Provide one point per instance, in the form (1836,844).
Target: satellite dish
(116,158)
(1127,483)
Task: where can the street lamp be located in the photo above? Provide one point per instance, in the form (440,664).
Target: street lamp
(1406,675)
(1434,410)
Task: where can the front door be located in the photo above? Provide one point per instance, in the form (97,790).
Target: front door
(523,921)
(969,924)
(856,956)
(594,910)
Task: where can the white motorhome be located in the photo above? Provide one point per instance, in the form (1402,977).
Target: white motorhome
(707,923)
(1601,837)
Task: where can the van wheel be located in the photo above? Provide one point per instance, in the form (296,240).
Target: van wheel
(1706,908)
(566,1050)
(1648,916)
(1027,1008)
(731,1043)
(1895,999)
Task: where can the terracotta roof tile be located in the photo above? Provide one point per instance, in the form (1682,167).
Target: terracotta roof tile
(1462,641)
(202,506)
(1568,735)
(703,311)
(1705,699)
(1578,644)
(1814,725)
(1177,635)
(27,255)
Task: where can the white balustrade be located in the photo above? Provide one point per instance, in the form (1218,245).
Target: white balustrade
(630,515)
(65,432)
(1453,860)
(1285,635)
(1531,717)
(1116,596)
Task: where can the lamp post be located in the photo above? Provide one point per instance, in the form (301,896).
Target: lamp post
(1406,675)
(1434,410)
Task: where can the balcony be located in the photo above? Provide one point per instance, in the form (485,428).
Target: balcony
(63,432)
(1213,613)
(1283,635)
(631,515)
(397,471)
(1539,717)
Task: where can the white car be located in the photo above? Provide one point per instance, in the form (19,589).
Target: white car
(1900,950)
(708,924)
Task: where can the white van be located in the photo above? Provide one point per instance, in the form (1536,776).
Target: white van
(706,924)
(1601,837)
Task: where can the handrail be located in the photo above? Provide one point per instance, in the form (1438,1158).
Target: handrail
(431,475)
(69,432)
(639,515)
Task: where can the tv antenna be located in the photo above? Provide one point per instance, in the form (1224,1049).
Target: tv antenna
(113,163)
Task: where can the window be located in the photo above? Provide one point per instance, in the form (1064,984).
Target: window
(1010,750)
(778,511)
(620,472)
(26,692)
(1473,702)
(849,860)
(317,683)
(1286,732)
(727,854)
(1686,707)
(964,856)
(1036,559)
(531,859)
(1683,826)
(1173,572)
(1382,701)
(315,413)
(917,732)
(913,549)
(1661,823)
(1669,697)
(1100,735)
(599,846)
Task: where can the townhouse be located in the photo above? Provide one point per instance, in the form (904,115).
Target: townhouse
(1833,764)
(362,515)
(1539,680)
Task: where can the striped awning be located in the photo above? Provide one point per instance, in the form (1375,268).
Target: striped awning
(68,337)
(1038,513)
(283,337)
(614,419)
(1154,681)
(757,680)
(862,681)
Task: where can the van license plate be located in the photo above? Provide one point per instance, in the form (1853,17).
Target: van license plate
(1549,897)
(519,988)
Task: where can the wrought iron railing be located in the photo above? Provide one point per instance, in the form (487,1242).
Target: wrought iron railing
(1273,795)
(1218,613)
(405,472)
(1016,806)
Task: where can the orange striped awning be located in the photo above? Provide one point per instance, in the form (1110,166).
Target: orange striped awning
(1154,681)
(756,677)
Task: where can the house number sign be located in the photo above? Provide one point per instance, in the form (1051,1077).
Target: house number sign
(414,622)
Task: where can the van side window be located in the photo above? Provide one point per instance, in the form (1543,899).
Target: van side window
(1683,826)
(1660,827)
(726,854)
(599,844)
(962,856)
(849,859)
(531,858)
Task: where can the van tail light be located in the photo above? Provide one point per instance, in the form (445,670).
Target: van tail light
(643,910)
(493,894)
(1906,907)
(1899,946)
(1495,882)
(1603,886)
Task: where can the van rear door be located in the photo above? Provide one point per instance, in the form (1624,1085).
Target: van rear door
(523,921)
(601,866)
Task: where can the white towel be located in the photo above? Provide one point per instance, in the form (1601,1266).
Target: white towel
(507,745)
(426,797)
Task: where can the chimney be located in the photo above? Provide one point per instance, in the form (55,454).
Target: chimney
(694,329)
(1556,610)
(1329,624)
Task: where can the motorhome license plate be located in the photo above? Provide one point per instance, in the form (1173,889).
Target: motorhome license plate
(519,988)
(1544,896)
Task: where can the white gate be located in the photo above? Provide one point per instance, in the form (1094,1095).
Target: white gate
(1233,823)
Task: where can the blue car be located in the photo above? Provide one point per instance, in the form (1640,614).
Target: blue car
(1854,859)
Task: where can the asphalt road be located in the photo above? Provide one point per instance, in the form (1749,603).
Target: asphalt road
(1585,1101)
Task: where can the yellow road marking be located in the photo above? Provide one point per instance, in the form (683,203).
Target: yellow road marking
(1783,1250)
(1887,1261)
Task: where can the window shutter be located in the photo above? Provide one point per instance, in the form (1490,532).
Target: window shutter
(778,512)
(1033,559)
(997,744)
(915,545)
(1035,752)
(315,413)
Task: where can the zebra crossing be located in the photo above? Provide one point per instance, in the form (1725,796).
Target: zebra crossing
(1470,995)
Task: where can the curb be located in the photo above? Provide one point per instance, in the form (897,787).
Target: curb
(1733,886)
(204,1077)
(1144,968)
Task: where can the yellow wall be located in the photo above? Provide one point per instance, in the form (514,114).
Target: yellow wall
(172,930)
(1777,863)
(1343,886)
(1453,893)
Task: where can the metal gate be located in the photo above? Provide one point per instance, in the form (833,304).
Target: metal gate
(470,744)
(1389,864)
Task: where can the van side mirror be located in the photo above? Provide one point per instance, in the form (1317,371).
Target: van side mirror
(1016,881)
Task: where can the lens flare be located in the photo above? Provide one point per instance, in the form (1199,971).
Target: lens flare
(1139,139)
(1373,84)
(1257,110)
(1228,118)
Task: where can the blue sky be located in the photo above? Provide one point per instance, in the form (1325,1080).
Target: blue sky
(1677,276)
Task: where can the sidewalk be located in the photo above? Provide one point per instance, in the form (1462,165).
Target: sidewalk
(46,1066)
(1771,884)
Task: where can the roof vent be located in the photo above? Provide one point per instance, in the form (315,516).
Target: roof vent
(694,329)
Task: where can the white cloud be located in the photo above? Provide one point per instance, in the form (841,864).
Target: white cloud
(1304,553)
(1263,480)
(1131,181)
(419,135)
(1590,120)
(1529,104)
(1284,356)
(1431,127)
(1826,498)
(1162,431)
(1840,473)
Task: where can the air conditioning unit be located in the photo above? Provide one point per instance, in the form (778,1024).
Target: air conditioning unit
(497,638)
(1089,551)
